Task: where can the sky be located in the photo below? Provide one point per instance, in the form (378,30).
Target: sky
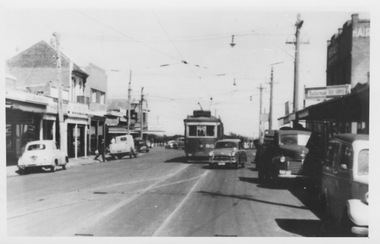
(182,57)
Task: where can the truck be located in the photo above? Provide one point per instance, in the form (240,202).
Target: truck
(122,146)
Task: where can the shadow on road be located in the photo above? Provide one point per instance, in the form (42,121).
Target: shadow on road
(308,195)
(36,170)
(184,161)
(302,227)
(248,198)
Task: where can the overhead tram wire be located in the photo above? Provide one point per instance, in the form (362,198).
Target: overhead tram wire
(131,38)
(171,41)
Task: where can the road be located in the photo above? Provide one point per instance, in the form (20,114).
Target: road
(156,194)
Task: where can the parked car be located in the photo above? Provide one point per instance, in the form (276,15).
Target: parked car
(228,152)
(170,144)
(122,146)
(344,183)
(141,145)
(179,143)
(282,154)
(43,154)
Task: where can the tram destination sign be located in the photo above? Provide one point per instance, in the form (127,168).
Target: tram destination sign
(327,92)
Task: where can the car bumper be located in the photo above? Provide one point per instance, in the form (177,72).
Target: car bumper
(358,214)
(222,163)
(289,174)
(21,167)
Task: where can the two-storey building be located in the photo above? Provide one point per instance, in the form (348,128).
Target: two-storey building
(32,100)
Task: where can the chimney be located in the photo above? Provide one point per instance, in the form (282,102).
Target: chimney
(340,30)
(355,18)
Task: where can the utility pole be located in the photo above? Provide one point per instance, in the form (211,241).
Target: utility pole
(129,102)
(59,86)
(270,119)
(271,99)
(261,88)
(141,113)
(297,43)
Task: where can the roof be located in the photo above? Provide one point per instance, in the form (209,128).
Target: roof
(351,137)
(37,64)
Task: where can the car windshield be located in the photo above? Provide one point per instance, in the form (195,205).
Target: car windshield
(363,162)
(36,147)
(294,139)
(226,144)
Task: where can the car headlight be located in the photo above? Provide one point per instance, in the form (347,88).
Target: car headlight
(211,154)
(282,159)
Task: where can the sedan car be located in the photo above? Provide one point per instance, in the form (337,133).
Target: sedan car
(344,184)
(228,152)
(141,146)
(43,154)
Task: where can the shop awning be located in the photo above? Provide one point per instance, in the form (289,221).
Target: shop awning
(117,130)
(351,107)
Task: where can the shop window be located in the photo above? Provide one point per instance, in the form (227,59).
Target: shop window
(93,95)
(102,98)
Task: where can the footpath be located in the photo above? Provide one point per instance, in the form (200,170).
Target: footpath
(73,162)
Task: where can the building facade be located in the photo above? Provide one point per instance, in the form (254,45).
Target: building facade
(32,101)
(348,53)
(96,94)
(348,56)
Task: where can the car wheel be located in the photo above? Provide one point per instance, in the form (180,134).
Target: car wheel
(262,176)
(53,168)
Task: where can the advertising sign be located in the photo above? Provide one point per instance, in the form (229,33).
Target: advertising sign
(327,92)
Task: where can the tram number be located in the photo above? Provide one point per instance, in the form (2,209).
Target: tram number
(209,145)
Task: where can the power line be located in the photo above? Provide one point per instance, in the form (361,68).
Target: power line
(129,37)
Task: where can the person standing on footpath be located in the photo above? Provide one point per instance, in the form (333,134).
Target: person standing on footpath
(101,150)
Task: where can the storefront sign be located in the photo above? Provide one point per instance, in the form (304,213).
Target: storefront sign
(26,97)
(77,108)
(327,92)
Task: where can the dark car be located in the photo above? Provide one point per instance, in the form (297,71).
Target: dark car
(344,184)
(282,154)
(141,145)
(228,152)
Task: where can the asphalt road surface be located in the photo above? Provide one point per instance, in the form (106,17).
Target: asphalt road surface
(157,194)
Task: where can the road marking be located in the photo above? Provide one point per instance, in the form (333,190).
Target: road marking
(111,209)
(170,217)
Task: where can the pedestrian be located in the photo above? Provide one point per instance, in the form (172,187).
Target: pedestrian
(101,150)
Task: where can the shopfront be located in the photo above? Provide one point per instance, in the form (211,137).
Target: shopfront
(24,121)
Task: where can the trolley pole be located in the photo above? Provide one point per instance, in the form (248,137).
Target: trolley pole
(59,86)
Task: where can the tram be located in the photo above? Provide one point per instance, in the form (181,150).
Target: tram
(202,130)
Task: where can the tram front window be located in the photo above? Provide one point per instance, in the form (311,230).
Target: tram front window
(201,130)
(210,130)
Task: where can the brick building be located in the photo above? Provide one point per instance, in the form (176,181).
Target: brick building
(348,57)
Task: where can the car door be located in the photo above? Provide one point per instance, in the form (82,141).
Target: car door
(343,177)
(329,172)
